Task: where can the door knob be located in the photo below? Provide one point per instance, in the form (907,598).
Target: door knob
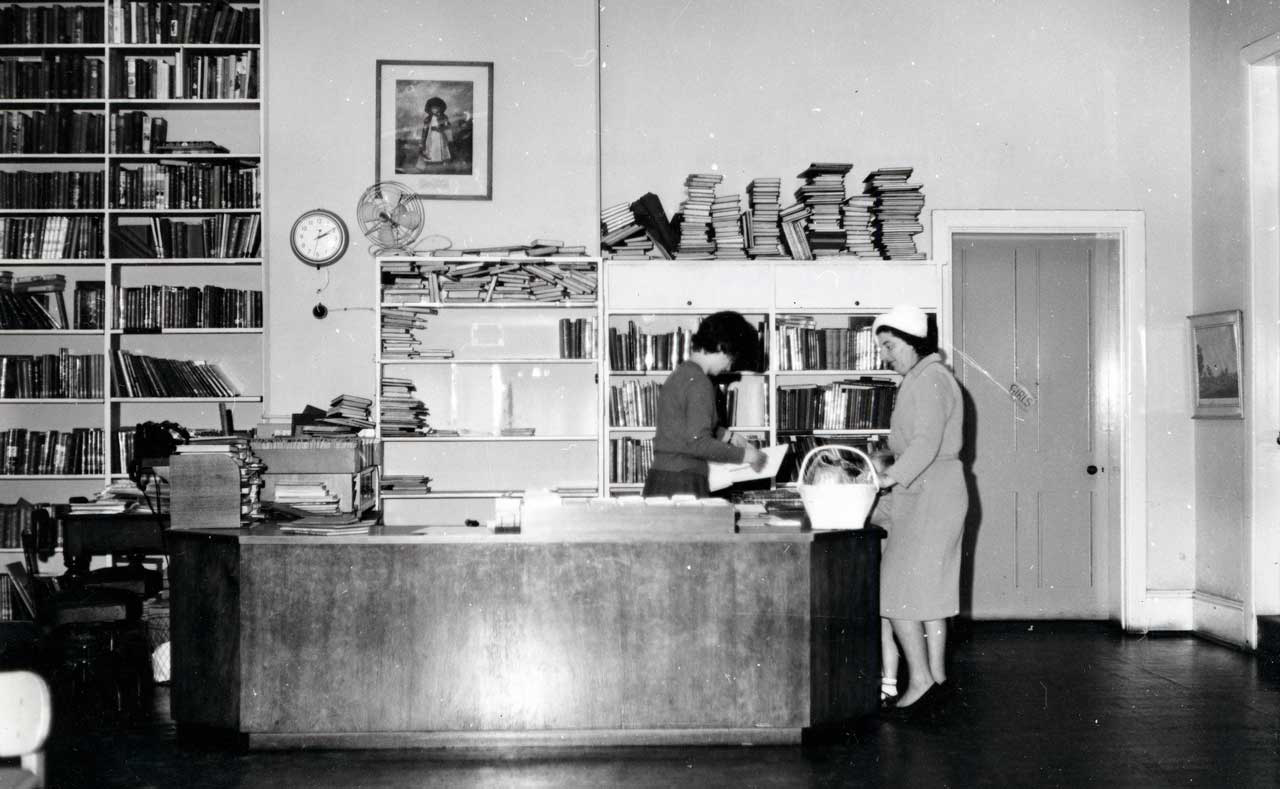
(1091,469)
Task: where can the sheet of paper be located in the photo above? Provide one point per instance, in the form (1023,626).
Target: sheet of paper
(722,475)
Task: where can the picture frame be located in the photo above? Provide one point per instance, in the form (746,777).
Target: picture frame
(435,127)
(1217,365)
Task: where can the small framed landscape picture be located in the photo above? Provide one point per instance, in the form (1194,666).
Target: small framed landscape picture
(1216,365)
(435,128)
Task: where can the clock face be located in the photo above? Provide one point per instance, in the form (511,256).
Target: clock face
(319,237)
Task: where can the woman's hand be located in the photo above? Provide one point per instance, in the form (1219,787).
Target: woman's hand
(738,440)
(886,481)
(755,458)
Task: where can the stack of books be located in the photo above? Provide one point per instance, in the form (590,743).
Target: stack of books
(764,235)
(726,227)
(793,219)
(695,216)
(823,193)
(401,413)
(347,413)
(399,323)
(617,224)
(859,226)
(898,206)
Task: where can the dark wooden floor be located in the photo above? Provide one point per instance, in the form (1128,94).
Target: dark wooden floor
(1044,704)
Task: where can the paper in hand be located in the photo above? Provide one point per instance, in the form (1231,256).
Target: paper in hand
(722,475)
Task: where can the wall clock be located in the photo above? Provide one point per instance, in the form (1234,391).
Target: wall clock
(319,237)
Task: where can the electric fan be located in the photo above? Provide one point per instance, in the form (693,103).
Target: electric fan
(391,217)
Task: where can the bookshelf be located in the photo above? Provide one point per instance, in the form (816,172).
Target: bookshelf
(488,382)
(151,245)
(815,318)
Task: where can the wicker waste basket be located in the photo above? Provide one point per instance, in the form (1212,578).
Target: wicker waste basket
(838,505)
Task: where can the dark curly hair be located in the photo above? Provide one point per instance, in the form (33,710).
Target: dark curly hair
(435,101)
(732,334)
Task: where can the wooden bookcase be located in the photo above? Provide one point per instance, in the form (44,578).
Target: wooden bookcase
(512,386)
(112,68)
(834,294)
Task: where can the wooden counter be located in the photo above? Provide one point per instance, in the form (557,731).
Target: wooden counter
(461,637)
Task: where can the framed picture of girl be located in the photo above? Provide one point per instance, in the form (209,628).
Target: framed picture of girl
(435,128)
(1216,365)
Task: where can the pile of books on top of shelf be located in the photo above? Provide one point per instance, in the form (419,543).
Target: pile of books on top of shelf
(510,279)
(897,212)
(824,221)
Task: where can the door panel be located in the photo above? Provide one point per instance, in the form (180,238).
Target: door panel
(1024,315)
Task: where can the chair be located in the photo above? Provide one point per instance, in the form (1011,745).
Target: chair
(26,715)
(94,646)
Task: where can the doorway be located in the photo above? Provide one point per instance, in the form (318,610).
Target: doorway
(1043,315)
(1034,351)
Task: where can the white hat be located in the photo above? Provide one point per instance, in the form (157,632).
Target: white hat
(906,318)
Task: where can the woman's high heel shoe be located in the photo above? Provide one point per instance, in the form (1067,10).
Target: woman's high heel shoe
(927,704)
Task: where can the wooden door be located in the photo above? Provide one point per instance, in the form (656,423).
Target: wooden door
(1027,344)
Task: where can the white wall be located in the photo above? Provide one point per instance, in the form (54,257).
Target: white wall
(1220,259)
(320,83)
(1067,104)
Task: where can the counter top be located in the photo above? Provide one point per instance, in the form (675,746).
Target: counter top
(383,535)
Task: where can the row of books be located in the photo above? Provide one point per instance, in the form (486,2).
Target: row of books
(802,345)
(577,338)
(58,376)
(50,237)
(187,307)
(184,75)
(171,22)
(633,403)
(221,236)
(200,184)
(635,350)
(139,375)
(32,302)
(47,452)
(54,76)
(863,404)
(36,301)
(56,24)
(824,220)
(134,131)
(400,412)
(51,189)
(629,459)
(405,281)
(60,130)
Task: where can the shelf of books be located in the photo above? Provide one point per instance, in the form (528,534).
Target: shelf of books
(131,161)
(820,380)
(489,374)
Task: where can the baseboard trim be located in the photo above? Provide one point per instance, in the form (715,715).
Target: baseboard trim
(1220,618)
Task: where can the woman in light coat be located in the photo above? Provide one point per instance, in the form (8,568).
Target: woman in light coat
(923,508)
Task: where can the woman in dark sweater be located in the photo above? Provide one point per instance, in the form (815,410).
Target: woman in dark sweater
(687,432)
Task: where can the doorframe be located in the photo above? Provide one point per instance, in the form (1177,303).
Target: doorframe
(1262,368)
(1128,227)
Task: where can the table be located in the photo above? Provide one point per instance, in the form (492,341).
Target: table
(459,637)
